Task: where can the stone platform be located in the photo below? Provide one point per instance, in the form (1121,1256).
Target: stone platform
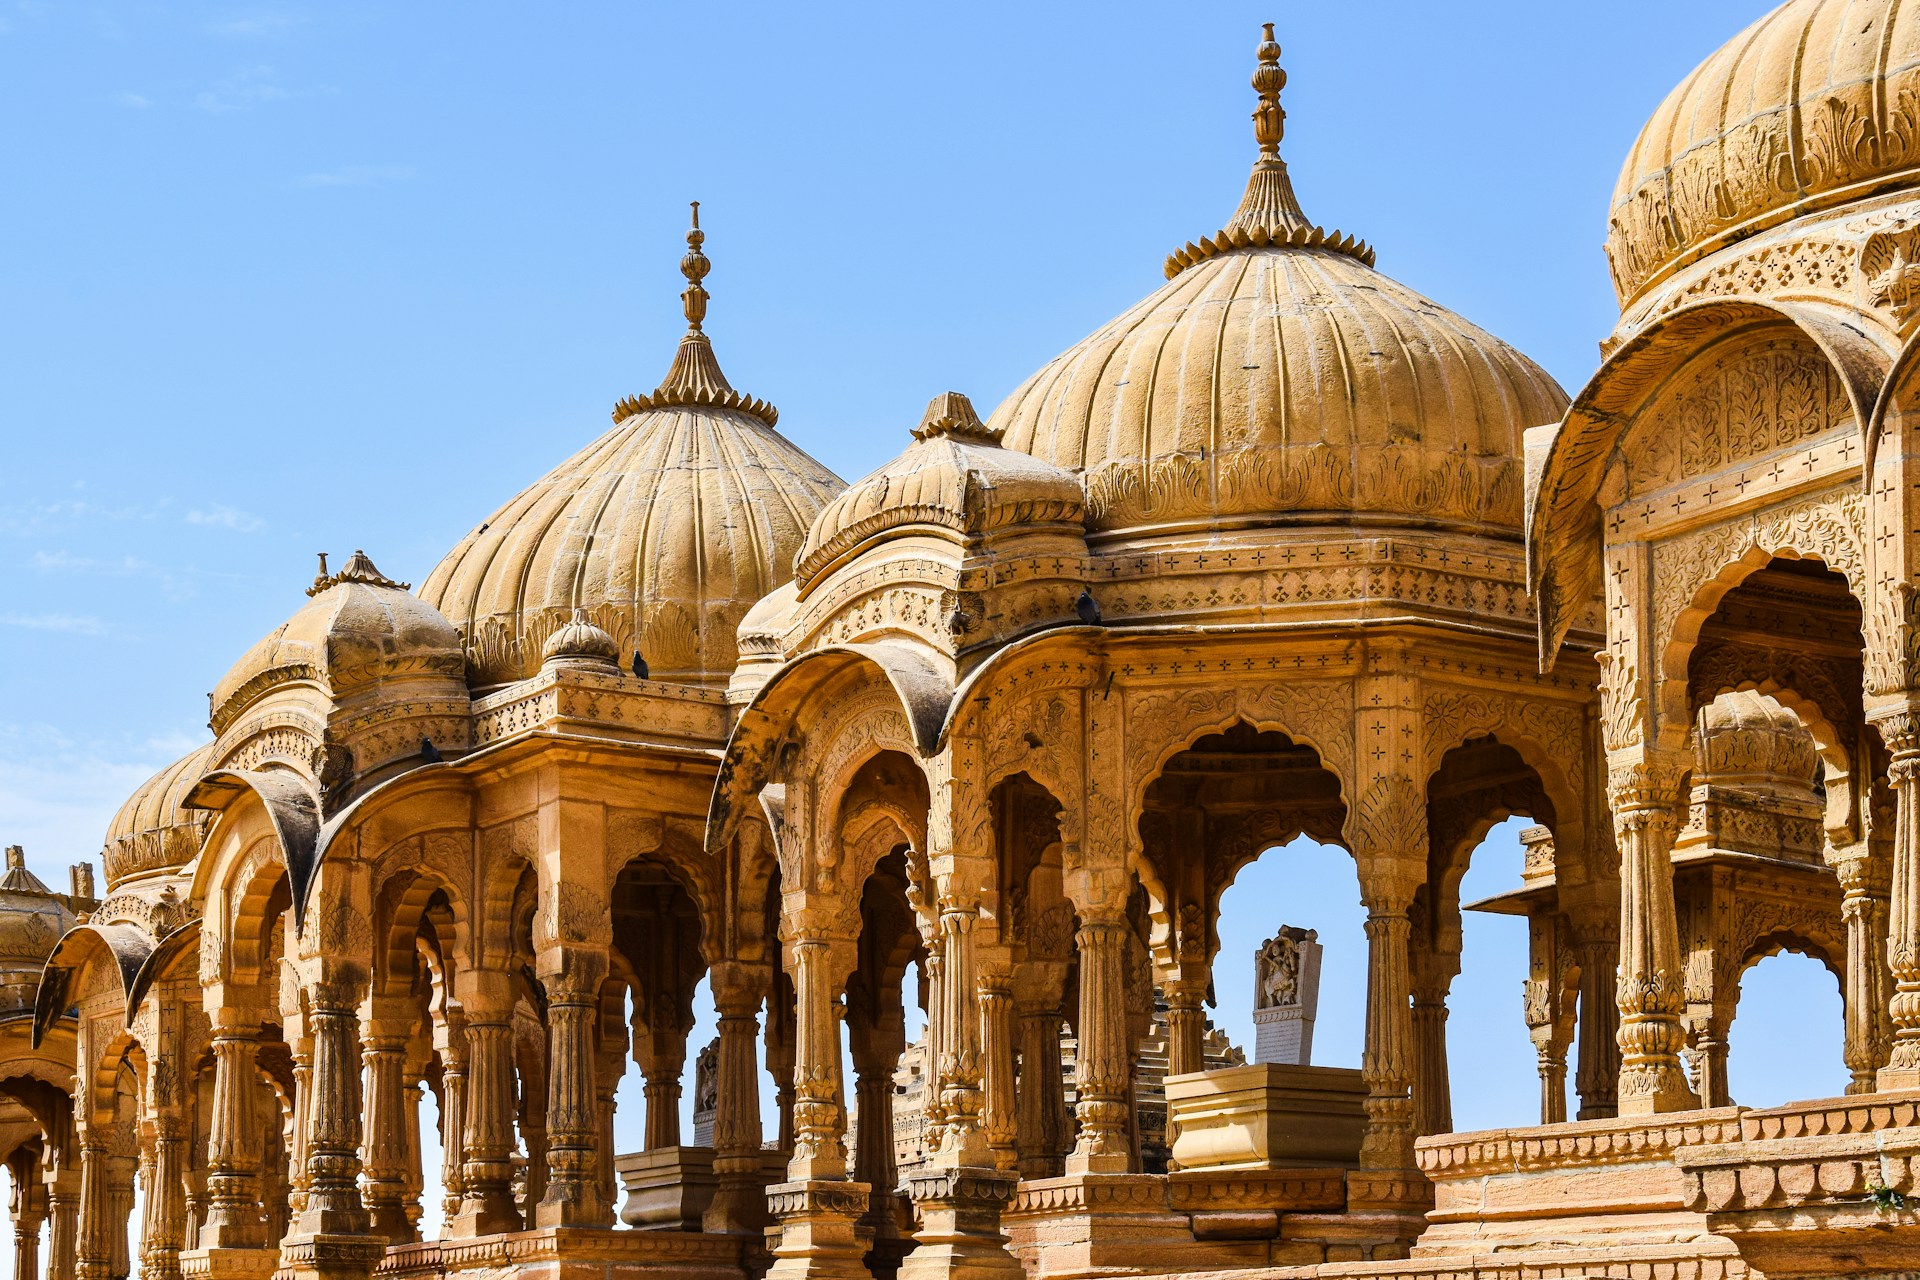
(571,1253)
(1814,1189)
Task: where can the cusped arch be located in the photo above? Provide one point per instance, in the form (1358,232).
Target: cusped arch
(292,813)
(1564,536)
(1765,543)
(1159,726)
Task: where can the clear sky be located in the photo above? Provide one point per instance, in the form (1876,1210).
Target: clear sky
(288,278)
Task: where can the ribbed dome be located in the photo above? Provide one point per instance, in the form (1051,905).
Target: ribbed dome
(955,477)
(1278,376)
(358,628)
(1815,104)
(663,532)
(1747,737)
(153,830)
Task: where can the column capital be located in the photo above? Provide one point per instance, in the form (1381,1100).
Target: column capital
(1642,779)
(572,973)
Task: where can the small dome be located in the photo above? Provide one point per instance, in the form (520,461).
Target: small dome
(359,627)
(1278,376)
(580,643)
(1816,104)
(955,477)
(32,918)
(154,830)
(1747,737)
(664,531)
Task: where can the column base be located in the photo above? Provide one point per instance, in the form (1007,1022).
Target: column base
(1894,1079)
(1669,1098)
(818,1236)
(960,1233)
(330,1257)
(488,1215)
(228,1264)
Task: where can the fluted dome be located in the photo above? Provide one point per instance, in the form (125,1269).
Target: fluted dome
(663,532)
(1747,738)
(955,477)
(154,830)
(1277,376)
(358,628)
(1815,104)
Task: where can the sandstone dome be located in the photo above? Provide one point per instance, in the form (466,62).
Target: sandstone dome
(1278,378)
(1814,105)
(954,480)
(358,629)
(154,830)
(663,532)
(1747,738)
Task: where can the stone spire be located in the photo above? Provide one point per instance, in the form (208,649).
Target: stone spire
(1269,212)
(694,378)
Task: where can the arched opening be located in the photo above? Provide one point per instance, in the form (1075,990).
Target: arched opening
(1784,1043)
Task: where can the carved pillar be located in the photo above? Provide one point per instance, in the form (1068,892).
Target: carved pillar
(818,1206)
(572,977)
(1900,731)
(1598,1075)
(1387,1060)
(63,1215)
(1043,1095)
(384,1051)
(302,1092)
(333,1205)
(165,1228)
(94,1257)
(1103,1068)
(876,1038)
(487,1144)
(1651,992)
(780,1059)
(233,1218)
(121,1170)
(1433,1089)
(1864,908)
(612,1065)
(452,1048)
(29,1215)
(999,1109)
(1186,1028)
(739,1200)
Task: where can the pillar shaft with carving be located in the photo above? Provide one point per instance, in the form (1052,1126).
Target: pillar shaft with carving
(1864,908)
(334,1112)
(1102,1068)
(164,1231)
(1433,1090)
(739,1201)
(1651,992)
(1043,1095)
(819,1119)
(999,1104)
(385,1193)
(1597,1077)
(233,1147)
(487,1143)
(63,1229)
(1900,730)
(1386,1063)
(572,977)
(1186,1028)
(452,1048)
(94,1257)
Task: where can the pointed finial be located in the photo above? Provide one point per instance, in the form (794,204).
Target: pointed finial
(1269,120)
(695,267)
(1269,213)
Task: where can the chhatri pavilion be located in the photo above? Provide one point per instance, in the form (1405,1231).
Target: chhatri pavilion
(1285,549)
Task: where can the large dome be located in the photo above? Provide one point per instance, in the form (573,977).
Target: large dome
(663,532)
(154,829)
(1277,376)
(1816,104)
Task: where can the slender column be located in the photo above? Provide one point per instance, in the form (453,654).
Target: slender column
(999,1110)
(1101,1069)
(416,1177)
(874,1053)
(613,1063)
(121,1171)
(233,1218)
(959,1066)
(739,1201)
(1598,1076)
(1433,1088)
(572,977)
(453,1100)
(1709,1043)
(1901,733)
(63,1235)
(164,1232)
(302,1094)
(333,1113)
(29,1216)
(1651,992)
(1387,1062)
(1864,908)
(486,1179)
(94,1258)
(1186,1028)
(384,1051)
(663,1059)
(1043,1095)
(780,1062)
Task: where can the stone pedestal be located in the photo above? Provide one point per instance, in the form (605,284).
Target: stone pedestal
(228,1264)
(815,1229)
(960,1233)
(668,1189)
(1267,1116)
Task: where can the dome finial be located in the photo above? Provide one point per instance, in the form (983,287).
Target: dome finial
(1269,212)
(694,378)
(695,267)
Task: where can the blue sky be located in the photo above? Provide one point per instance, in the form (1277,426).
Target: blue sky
(290,278)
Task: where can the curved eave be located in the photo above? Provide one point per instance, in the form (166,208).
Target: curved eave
(924,694)
(1566,511)
(291,807)
(126,946)
(390,790)
(160,960)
